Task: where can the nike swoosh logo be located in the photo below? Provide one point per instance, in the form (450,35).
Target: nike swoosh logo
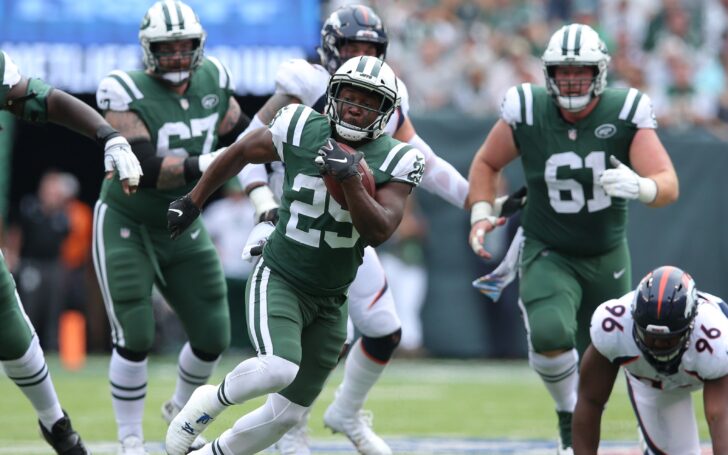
(341,160)
(618,274)
(194,234)
(177,211)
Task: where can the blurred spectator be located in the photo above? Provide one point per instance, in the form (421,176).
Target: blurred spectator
(35,237)
(517,64)
(429,77)
(679,102)
(229,220)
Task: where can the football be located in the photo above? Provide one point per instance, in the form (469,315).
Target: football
(367,179)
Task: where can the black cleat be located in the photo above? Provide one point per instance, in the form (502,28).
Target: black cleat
(63,438)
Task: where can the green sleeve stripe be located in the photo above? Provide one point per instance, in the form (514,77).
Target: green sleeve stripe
(2,68)
(294,128)
(128,84)
(632,111)
(627,106)
(393,157)
(522,102)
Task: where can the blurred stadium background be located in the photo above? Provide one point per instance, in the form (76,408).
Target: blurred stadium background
(457,58)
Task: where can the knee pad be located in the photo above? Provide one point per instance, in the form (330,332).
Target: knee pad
(133,356)
(382,348)
(205,356)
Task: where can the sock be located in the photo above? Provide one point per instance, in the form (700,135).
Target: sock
(30,373)
(360,375)
(560,375)
(255,377)
(128,381)
(192,372)
(260,428)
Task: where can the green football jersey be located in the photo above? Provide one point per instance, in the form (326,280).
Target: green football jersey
(179,125)
(567,208)
(10,76)
(315,245)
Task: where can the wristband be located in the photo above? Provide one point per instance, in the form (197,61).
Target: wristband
(648,190)
(482,210)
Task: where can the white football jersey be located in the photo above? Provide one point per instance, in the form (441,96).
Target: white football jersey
(308,83)
(705,358)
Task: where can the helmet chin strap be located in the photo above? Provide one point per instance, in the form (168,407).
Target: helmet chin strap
(350,134)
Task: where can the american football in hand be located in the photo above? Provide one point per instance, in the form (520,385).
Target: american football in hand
(367,179)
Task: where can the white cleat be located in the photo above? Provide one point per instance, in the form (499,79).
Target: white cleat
(132,445)
(295,441)
(561,450)
(191,421)
(169,412)
(358,428)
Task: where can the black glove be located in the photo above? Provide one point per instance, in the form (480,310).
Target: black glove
(515,202)
(270,215)
(333,160)
(181,213)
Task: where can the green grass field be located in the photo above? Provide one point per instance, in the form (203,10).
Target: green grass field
(422,398)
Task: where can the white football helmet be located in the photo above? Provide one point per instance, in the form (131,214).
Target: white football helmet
(368,73)
(576,45)
(171,20)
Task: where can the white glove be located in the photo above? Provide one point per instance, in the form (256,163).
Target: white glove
(624,183)
(118,155)
(257,238)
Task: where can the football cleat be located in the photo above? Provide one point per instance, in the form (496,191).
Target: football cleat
(295,441)
(169,412)
(191,420)
(132,445)
(358,428)
(63,438)
(564,446)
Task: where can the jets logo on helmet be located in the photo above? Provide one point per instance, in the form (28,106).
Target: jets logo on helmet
(353,23)
(363,73)
(664,309)
(166,21)
(576,45)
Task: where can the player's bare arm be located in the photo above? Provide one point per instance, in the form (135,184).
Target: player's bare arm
(650,159)
(256,147)
(715,402)
(129,125)
(497,151)
(231,119)
(266,113)
(405,132)
(597,376)
(376,218)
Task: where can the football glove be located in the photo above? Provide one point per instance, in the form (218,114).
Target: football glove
(624,183)
(181,213)
(333,160)
(118,155)
(508,205)
(256,240)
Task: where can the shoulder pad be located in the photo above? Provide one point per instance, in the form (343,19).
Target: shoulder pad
(517,101)
(404,163)
(225,80)
(637,109)
(303,80)
(611,328)
(290,123)
(11,73)
(708,352)
(117,91)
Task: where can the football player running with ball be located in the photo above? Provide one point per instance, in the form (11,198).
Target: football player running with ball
(296,296)
(672,340)
(351,31)
(174,113)
(21,355)
(586,150)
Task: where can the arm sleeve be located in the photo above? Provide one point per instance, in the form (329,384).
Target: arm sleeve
(440,177)
(253,174)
